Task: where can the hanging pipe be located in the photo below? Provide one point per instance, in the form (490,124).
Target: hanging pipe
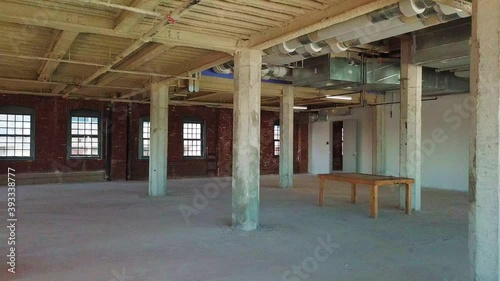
(375,19)
(267,71)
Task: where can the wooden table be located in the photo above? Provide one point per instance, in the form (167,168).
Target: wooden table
(372,180)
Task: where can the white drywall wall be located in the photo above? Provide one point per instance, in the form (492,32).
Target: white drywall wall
(445,141)
(320,160)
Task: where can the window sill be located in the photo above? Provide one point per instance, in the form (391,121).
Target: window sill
(17,158)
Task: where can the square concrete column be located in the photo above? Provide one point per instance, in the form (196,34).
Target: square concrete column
(159,140)
(246,139)
(484,173)
(286,138)
(410,157)
(378,129)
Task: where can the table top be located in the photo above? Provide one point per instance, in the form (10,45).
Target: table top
(366,178)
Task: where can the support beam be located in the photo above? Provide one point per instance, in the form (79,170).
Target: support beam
(286,138)
(203,64)
(159,140)
(22,13)
(246,139)
(142,57)
(128,19)
(58,50)
(410,160)
(343,11)
(145,38)
(378,129)
(484,171)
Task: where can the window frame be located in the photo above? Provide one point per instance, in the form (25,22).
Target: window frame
(85,113)
(22,110)
(141,138)
(276,123)
(203,137)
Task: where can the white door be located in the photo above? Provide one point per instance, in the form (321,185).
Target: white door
(350,156)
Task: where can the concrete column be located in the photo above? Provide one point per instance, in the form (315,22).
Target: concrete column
(484,188)
(159,140)
(411,122)
(378,160)
(246,139)
(286,138)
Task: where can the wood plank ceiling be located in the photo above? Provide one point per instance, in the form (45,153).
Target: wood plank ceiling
(86,49)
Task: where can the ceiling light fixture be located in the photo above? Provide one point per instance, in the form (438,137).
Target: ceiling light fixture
(339,97)
(300,107)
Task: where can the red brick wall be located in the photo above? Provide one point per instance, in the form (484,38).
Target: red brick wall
(119,139)
(51,133)
(51,115)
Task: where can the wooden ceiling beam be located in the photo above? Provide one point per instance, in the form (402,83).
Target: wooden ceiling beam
(62,43)
(343,11)
(200,65)
(191,97)
(25,14)
(129,19)
(459,4)
(142,57)
(136,45)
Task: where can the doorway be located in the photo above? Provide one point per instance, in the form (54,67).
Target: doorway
(338,146)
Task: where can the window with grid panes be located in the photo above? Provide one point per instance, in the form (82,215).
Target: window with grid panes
(145,138)
(85,137)
(16,133)
(192,133)
(276,139)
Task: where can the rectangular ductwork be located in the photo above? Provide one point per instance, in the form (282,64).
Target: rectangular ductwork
(379,76)
(324,71)
(445,47)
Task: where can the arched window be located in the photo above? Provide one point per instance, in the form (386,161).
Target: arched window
(17,133)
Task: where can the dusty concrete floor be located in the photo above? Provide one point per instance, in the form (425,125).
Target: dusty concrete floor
(114,232)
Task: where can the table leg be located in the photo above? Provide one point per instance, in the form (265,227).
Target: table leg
(408,199)
(354,193)
(374,202)
(321,191)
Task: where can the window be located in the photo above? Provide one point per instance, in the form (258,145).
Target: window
(144,138)
(85,137)
(192,133)
(16,133)
(276,138)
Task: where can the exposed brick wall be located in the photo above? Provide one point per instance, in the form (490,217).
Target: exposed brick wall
(225,142)
(301,148)
(51,115)
(51,133)
(119,138)
(269,164)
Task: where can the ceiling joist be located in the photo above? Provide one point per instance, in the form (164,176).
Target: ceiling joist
(25,15)
(61,45)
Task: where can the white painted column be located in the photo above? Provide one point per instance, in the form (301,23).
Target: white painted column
(159,140)
(246,139)
(410,160)
(286,138)
(484,189)
(378,146)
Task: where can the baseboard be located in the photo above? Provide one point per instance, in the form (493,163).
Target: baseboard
(57,177)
